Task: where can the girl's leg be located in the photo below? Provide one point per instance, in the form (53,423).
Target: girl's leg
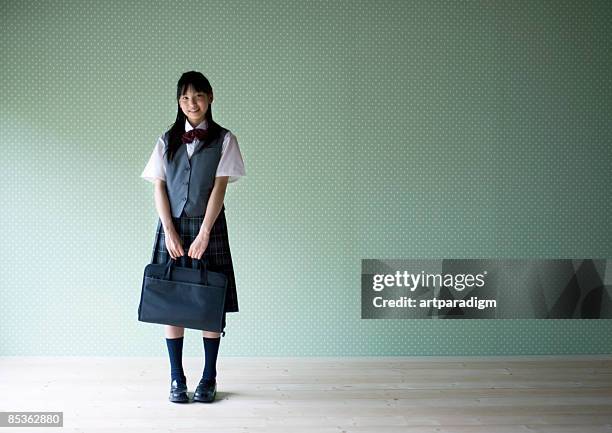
(174,341)
(173,331)
(209,334)
(211,349)
(207,388)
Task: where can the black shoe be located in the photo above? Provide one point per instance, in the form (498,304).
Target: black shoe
(206,391)
(178,391)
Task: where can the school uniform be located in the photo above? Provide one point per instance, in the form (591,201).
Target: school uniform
(189,180)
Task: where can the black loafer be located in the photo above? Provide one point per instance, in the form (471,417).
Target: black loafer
(206,391)
(178,392)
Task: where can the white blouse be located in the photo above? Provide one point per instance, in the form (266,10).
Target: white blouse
(230,164)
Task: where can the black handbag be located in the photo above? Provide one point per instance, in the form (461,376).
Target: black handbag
(183,296)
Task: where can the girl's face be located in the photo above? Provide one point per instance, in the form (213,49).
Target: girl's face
(194,105)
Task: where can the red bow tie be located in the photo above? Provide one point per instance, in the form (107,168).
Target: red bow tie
(191,135)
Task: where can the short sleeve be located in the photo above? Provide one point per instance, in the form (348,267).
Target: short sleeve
(231,163)
(155,168)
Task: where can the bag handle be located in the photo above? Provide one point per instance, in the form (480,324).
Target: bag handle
(202,265)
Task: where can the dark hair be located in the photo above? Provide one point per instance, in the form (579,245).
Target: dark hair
(201,84)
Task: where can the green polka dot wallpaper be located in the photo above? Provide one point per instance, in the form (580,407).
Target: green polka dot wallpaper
(368,129)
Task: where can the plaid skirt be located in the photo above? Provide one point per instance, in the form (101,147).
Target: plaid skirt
(217,251)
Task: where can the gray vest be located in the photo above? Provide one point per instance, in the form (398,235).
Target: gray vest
(190,181)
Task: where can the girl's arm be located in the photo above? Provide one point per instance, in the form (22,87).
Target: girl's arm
(163,205)
(215,202)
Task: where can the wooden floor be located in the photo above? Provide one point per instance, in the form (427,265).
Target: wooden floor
(339,395)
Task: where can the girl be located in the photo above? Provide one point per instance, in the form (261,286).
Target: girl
(190,166)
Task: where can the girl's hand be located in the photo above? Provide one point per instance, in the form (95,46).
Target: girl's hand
(198,246)
(174,244)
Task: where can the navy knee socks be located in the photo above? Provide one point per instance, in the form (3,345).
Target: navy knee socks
(211,350)
(175,351)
